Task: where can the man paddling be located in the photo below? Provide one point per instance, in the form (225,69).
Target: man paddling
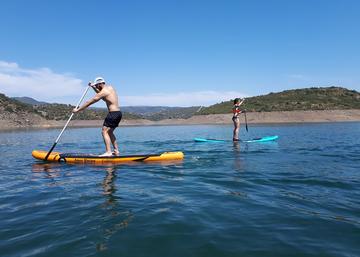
(112,120)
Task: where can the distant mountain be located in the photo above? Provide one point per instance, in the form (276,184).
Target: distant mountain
(322,98)
(161,112)
(60,111)
(28,100)
(57,111)
(145,110)
(315,98)
(156,112)
(15,111)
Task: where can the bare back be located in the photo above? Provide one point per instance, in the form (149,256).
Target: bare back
(109,95)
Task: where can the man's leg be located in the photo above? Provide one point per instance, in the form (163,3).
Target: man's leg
(113,141)
(236,129)
(107,140)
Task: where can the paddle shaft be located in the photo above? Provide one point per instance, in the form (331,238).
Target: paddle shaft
(246,125)
(67,123)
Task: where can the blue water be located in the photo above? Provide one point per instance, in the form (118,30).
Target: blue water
(299,196)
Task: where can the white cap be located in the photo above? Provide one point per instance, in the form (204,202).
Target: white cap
(98,80)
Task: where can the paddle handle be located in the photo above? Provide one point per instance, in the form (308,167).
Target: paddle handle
(67,123)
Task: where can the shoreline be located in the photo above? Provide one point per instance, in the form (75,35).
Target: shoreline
(291,117)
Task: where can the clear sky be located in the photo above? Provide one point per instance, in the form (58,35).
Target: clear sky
(177,53)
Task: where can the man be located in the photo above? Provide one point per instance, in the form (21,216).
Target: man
(112,120)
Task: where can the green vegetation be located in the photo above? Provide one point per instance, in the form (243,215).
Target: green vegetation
(173,113)
(28,100)
(328,98)
(13,106)
(323,98)
(62,112)
(54,111)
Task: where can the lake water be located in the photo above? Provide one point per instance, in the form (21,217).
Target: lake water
(299,196)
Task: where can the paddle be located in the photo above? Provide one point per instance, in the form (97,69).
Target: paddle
(246,126)
(62,131)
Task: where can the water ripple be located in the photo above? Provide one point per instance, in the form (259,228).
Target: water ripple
(296,197)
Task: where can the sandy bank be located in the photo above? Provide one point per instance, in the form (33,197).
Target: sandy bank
(252,117)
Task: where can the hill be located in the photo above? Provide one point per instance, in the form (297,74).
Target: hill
(17,112)
(322,98)
(14,113)
(174,113)
(145,110)
(62,112)
(28,100)
(156,113)
(59,111)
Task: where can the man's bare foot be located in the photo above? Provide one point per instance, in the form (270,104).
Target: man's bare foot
(116,152)
(106,154)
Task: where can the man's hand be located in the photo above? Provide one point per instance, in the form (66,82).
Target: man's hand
(75,110)
(93,87)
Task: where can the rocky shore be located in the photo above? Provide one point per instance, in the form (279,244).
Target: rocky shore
(252,118)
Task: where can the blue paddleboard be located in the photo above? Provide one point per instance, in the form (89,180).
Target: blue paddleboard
(254,140)
(209,140)
(262,139)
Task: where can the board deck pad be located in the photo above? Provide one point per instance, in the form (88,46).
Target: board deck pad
(85,155)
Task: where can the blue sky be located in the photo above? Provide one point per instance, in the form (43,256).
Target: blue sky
(177,53)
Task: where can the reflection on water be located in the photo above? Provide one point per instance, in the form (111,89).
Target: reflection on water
(50,170)
(237,160)
(109,182)
(46,167)
(116,217)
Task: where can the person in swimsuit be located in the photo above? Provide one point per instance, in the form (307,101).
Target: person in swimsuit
(236,119)
(108,94)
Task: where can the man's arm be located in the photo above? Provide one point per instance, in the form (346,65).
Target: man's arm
(93,87)
(93,100)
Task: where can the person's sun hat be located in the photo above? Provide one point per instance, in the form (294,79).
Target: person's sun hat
(98,80)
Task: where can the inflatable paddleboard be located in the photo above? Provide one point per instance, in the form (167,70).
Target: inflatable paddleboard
(96,159)
(262,139)
(209,140)
(254,140)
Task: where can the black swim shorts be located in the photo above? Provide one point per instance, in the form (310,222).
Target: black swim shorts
(113,119)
